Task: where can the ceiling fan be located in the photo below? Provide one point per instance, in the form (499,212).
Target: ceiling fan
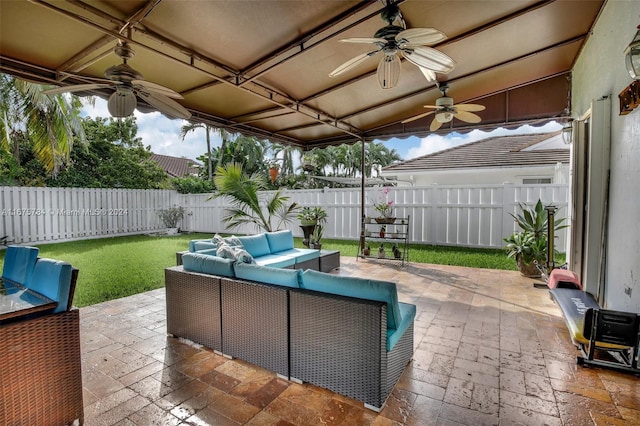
(445,110)
(128,83)
(393,40)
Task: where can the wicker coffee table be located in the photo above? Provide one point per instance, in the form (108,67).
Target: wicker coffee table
(329,260)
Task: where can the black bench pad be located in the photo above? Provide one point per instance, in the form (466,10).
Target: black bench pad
(574,303)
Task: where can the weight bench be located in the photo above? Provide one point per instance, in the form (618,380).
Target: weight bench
(591,328)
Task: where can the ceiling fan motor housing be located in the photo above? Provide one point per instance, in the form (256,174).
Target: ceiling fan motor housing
(444,101)
(123,73)
(445,112)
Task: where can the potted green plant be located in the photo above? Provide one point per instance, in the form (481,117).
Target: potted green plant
(529,245)
(316,237)
(274,169)
(312,216)
(170,218)
(308,165)
(384,207)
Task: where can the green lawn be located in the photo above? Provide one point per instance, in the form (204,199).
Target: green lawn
(111,268)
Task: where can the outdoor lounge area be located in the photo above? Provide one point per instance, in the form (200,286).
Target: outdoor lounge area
(490,348)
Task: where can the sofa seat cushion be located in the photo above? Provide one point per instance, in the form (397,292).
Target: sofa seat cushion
(408,314)
(300,255)
(257,245)
(268,274)
(276,261)
(208,264)
(52,278)
(362,288)
(280,241)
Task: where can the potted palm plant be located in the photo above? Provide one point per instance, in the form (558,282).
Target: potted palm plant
(529,245)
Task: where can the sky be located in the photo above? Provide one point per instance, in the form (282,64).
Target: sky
(163,135)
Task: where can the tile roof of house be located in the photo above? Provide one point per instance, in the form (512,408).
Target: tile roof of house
(499,151)
(176,166)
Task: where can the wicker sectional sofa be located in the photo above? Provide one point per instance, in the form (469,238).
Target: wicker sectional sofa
(346,334)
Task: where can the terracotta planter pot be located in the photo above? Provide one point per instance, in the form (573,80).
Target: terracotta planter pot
(528,269)
(273,174)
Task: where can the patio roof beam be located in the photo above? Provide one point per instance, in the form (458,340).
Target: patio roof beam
(266,93)
(446,42)
(75,65)
(421,91)
(300,42)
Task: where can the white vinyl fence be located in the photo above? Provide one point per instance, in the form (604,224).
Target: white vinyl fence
(470,216)
(35,215)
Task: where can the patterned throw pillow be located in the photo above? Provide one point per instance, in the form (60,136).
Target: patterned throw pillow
(231,241)
(243,256)
(225,251)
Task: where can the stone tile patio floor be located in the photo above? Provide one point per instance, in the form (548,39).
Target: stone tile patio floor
(490,349)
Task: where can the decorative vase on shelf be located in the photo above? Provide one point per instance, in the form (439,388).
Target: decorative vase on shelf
(381,252)
(366,251)
(383,229)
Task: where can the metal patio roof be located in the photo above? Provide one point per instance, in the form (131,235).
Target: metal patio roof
(261,67)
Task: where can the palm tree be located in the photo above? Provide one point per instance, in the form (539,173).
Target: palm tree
(243,191)
(379,156)
(50,122)
(192,127)
(286,168)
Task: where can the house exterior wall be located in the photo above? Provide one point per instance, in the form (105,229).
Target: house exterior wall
(600,71)
(494,176)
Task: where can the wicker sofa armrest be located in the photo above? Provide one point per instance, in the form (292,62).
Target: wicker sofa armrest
(339,343)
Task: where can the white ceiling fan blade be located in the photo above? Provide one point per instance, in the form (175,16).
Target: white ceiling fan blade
(367,40)
(414,37)
(156,88)
(417,117)
(76,88)
(468,117)
(435,125)
(353,62)
(428,74)
(165,105)
(470,107)
(429,58)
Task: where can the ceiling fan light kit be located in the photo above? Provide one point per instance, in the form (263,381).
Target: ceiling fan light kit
(128,85)
(632,56)
(122,102)
(394,41)
(389,71)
